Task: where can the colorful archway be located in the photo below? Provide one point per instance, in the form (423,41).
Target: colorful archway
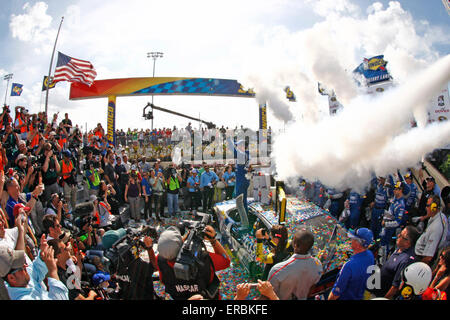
(113,88)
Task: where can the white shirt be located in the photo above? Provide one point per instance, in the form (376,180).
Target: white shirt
(10,240)
(433,238)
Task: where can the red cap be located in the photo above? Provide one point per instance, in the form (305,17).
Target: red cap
(17,207)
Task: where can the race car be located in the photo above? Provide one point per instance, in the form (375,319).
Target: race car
(332,246)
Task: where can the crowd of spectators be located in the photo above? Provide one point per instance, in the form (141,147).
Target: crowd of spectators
(63,200)
(405,226)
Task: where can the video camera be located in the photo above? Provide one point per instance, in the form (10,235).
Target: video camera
(121,250)
(190,256)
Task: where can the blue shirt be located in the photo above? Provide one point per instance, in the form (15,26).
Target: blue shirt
(192,181)
(391,271)
(381,197)
(146,186)
(228,176)
(412,195)
(355,201)
(397,211)
(10,209)
(36,289)
(352,279)
(207,178)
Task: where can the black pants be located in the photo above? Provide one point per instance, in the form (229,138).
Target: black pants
(147,206)
(208,194)
(195,199)
(229,192)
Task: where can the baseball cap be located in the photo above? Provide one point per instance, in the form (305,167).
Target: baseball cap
(169,243)
(92,198)
(111,236)
(430,179)
(10,259)
(20,157)
(133,167)
(408,175)
(398,185)
(100,277)
(18,206)
(67,153)
(362,234)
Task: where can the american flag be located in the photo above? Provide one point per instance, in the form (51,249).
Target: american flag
(74,70)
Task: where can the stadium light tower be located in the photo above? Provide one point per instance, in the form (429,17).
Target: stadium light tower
(7,78)
(154,55)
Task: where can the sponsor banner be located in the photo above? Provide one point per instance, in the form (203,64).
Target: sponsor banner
(159,86)
(373,69)
(111,124)
(439,109)
(379,87)
(16,89)
(262,116)
(334,104)
(289,94)
(51,85)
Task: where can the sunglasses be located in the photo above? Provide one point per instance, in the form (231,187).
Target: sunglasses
(19,269)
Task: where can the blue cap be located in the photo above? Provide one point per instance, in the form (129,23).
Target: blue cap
(100,277)
(67,153)
(364,235)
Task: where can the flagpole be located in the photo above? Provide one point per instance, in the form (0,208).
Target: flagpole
(51,64)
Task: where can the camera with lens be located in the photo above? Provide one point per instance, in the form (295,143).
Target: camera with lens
(193,250)
(36,163)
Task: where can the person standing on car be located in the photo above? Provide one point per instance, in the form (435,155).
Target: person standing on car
(295,277)
(281,247)
(352,279)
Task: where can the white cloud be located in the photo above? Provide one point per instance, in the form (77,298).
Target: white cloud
(33,24)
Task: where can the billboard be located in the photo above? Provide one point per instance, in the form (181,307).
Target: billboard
(372,70)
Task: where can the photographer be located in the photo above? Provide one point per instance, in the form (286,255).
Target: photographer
(50,168)
(54,206)
(5,117)
(92,176)
(169,245)
(21,121)
(10,142)
(53,141)
(173,181)
(75,142)
(68,178)
(281,247)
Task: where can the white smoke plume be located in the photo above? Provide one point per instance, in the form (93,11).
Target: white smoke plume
(367,137)
(265,94)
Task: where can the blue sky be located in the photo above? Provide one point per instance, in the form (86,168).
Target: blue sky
(263,44)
